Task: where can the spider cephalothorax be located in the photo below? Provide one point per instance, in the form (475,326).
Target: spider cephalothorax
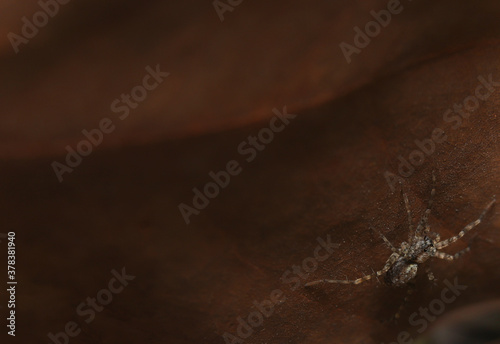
(403,263)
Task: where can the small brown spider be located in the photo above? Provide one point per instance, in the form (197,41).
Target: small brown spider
(402,265)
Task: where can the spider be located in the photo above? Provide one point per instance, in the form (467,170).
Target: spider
(403,263)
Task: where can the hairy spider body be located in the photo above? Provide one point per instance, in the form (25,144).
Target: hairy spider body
(401,273)
(402,265)
(406,266)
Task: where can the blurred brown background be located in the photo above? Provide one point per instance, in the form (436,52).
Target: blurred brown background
(322,175)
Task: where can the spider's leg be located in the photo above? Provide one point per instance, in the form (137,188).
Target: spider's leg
(446,256)
(425,217)
(376,276)
(436,236)
(409,291)
(387,242)
(430,275)
(410,217)
(466,229)
(387,266)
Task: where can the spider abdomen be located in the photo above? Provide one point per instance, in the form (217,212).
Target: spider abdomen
(401,273)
